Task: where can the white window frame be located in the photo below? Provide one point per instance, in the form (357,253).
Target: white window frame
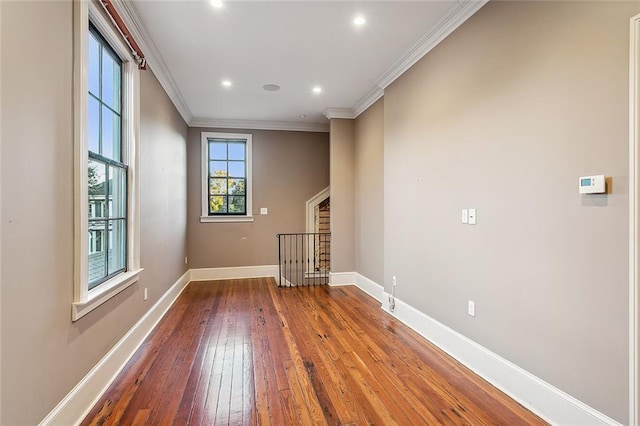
(205,136)
(85,300)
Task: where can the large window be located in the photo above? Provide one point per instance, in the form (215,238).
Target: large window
(226,177)
(106,170)
(106,123)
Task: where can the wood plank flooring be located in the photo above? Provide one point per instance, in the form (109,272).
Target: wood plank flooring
(246,352)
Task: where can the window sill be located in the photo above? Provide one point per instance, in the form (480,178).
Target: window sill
(104,292)
(225,219)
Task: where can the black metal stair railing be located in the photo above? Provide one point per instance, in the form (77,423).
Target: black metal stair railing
(303,259)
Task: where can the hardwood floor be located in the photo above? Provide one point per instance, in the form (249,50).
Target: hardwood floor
(246,352)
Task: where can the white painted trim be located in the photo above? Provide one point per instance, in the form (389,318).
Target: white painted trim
(456,17)
(80,156)
(634,185)
(367,100)
(346,113)
(547,401)
(1,203)
(225,219)
(458,14)
(370,287)
(77,404)
(311,205)
(463,10)
(105,291)
(342,278)
(85,300)
(259,125)
(284,282)
(204,182)
(131,18)
(234,272)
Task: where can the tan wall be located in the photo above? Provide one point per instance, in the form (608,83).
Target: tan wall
(289,168)
(342,195)
(44,354)
(504,116)
(369,193)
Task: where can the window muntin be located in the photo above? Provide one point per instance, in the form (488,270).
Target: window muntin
(227,175)
(107,171)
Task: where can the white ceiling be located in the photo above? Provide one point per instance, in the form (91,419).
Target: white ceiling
(193,47)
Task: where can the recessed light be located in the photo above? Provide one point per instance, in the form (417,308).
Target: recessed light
(317,90)
(359,21)
(303,116)
(216,3)
(227,83)
(271,87)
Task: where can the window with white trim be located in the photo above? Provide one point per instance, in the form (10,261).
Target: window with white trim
(106,98)
(226,177)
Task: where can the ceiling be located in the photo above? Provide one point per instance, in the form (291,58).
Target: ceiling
(193,47)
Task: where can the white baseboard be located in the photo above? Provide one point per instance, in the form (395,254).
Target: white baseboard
(550,403)
(238,272)
(285,282)
(545,400)
(370,287)
(342,278)
(77,404)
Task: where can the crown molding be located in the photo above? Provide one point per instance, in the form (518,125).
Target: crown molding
(463,10)
(367,100)
(132,20)
(456,17)
(259,125)
(339,113)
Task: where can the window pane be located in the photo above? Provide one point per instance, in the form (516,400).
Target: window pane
(217,168)
(97,188)
(217,151)
(110,81)
(237,187)
(94,125)
(236,205)
(117,243)
(118,192)
(218,204)
(94,66)
(236,151)
(236,169)
(97,265)
(217,186)
(110,134)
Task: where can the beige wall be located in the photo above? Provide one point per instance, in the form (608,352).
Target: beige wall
(44,354)
(289,168)
(342,195)
(368,173)
(504,116)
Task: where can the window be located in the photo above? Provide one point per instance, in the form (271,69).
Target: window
(107,173)
(226,177)
(106,91)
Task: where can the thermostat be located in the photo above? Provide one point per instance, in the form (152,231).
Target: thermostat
(592,185)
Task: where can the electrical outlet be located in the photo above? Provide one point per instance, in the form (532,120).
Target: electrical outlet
(145,293)
(393,279)
(471,308)
(186,260)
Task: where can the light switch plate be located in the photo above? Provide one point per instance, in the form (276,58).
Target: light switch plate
(472,216)
(465,216)
(264,210)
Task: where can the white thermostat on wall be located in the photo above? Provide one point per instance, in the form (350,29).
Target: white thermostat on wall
(592,185)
